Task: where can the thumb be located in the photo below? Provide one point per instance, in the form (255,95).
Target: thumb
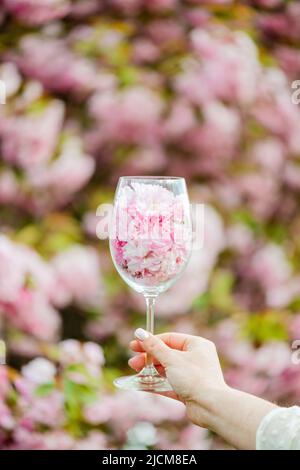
(155,346)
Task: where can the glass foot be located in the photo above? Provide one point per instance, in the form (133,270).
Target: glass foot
(148,380)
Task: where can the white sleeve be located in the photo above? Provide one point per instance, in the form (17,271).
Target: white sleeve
(279,430)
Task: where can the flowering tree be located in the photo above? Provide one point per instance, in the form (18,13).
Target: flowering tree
(95,90)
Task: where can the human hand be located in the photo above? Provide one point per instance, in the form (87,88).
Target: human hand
(191,365)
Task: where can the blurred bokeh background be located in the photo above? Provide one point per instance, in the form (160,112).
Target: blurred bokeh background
(102,88)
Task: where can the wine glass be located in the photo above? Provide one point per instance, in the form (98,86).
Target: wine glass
(150,244)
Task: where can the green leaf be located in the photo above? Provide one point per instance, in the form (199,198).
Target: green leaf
(277,232)
(128,75)
(29,235)
(79,394)
(113,286)
(44,389)
(202,301)
(221,290)
(77,367)
(245,217)
(262,327)
(110,374)
(57,242)
(295,305)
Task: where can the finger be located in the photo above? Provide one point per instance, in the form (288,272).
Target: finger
(136,346)
(156,347)
(139,361)
(138,368)
(179,341)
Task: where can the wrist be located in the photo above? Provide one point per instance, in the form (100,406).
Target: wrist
(236,416)
(205,407)
(219,398)
(214,404)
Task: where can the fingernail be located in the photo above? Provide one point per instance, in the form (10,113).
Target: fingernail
(141,334)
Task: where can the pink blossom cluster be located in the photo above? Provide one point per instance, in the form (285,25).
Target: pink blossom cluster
(152,242)
(195,279)
(267,371)
(51,62)
(43,390)
(30,309)
(31,289)
(283,24)
(37,12)
(29,143)
(42,397)
(130,124)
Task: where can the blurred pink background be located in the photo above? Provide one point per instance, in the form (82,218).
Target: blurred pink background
(98,89)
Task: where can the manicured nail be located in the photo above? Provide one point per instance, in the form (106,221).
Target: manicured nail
(141,334)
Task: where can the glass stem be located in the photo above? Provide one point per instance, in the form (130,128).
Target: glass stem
(150,303)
